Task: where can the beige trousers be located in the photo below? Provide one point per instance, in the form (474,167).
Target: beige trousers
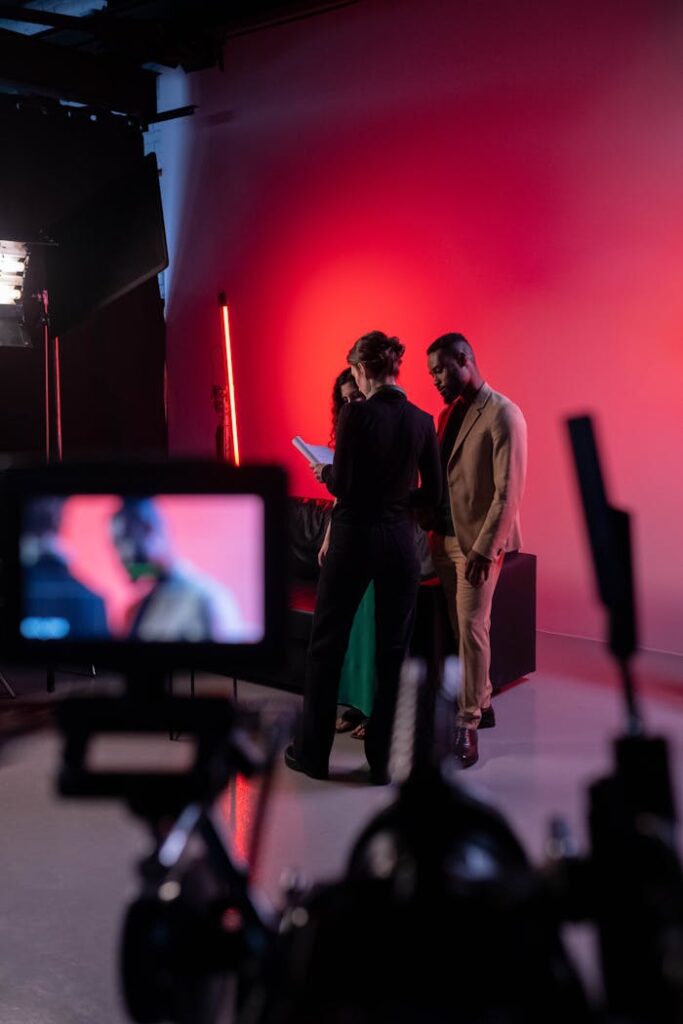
(469,609)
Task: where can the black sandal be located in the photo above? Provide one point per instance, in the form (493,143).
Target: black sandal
(349,719)
(359,732)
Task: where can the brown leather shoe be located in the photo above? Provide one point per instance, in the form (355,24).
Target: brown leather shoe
(465,747)
(488,718)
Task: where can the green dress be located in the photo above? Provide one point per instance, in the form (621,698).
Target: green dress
(357,682)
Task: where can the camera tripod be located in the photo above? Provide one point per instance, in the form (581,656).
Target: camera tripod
(7,687)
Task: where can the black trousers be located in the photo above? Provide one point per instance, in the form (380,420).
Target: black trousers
(384,553)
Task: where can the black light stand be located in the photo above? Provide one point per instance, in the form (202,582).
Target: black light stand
(111,244)
(7,687)
(32,255)
(52,403)
(52,395)
(13,330)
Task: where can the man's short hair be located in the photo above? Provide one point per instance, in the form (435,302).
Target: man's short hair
(450,343)
(43,516)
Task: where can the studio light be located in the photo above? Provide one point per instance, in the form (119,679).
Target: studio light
(14,259)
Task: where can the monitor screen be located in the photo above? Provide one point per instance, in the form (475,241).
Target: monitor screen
(184,568)
(164,568)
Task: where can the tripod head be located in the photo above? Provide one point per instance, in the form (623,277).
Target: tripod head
(196,932)
(216,730)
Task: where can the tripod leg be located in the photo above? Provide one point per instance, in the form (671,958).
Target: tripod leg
(169,684)
(7,687)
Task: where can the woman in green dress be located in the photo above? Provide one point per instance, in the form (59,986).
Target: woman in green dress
(357,682)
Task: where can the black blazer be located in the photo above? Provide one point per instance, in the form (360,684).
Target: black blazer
(382,443)
(51,592)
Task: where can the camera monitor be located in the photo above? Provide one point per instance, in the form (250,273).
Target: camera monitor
(164,564)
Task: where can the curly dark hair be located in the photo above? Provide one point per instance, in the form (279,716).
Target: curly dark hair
(379,353)
(345,377)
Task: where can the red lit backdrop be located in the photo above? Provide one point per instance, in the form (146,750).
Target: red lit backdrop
(510,171)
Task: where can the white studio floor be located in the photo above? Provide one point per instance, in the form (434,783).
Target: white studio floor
(68,867)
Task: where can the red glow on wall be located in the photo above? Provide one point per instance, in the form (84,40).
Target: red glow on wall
(521,185)
(230,382)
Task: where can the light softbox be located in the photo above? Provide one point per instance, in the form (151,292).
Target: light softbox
(114,242)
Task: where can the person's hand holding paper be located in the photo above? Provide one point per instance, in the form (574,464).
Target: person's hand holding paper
(315,454)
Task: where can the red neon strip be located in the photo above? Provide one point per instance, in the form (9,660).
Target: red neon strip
(231,383)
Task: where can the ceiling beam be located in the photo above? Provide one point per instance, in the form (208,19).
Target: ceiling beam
(34,16)
(71,74)
(273,15)
(145,41)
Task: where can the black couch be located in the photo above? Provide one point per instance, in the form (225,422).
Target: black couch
(513,616)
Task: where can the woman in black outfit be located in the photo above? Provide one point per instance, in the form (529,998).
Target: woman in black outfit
(382,444)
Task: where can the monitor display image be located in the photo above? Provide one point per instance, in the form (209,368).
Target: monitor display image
(129,569)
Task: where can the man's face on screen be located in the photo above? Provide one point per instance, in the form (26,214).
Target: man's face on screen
(140,544)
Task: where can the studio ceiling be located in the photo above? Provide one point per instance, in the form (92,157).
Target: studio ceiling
(106,55)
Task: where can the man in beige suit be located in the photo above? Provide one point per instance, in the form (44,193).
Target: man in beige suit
(482,436)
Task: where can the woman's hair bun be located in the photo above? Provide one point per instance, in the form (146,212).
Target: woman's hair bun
(395,346)
(380,354)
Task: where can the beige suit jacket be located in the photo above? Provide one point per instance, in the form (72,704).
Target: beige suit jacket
(486,473)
